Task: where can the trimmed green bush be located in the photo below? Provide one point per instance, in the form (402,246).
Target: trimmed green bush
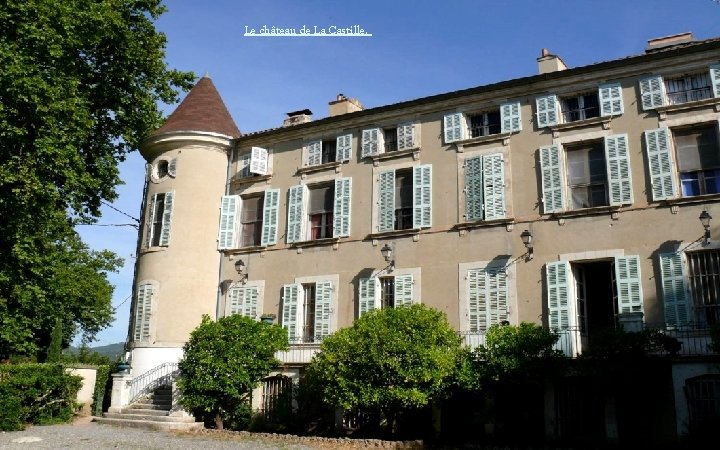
(102,378)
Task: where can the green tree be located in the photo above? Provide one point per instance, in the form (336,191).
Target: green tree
(79,88)
(224,361)
(391,360)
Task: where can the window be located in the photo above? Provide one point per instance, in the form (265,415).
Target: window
(656,91)
(258,219)
(306,310)
(697,152)
(319,211)
(579,107)
(691,291)
(607,101)
(325,151)
(405,198)
(376,141)
(385,292)
(390,138)
(163,168)
(459,126)
(244,300)
(484,189)
(159,217)
(487,297)
(143,313)
(256,162)
(591,174)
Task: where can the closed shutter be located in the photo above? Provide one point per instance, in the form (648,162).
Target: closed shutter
(314,153)
(323,305)
(496,295)
(629,290)
(422,196)
(493,186)
(149,218)
(652,92)
(172,167)
(368,295)
(473,189)
(167,219)
(477,306)
(406,136)
(546,110)
(237,297)
(259,161)
(343,210)
(660,159)
(143,312)
(510,119)
(228,221)
(552,179)
(292,310)
(611,102)
(454,126)
(343,148)
(270,217)
(244,301)
(386,201)
(371,142)
(617,157)
(296,213)
(715,79)
(674,290)
(403,290)
(560,308)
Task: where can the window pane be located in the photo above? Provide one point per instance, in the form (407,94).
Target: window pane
(697,148)
(704,280)
(251,216)
(321,198)
(387,292)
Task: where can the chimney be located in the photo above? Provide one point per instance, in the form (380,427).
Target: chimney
(668,41)
(550,63)
(344,105)
(297,117)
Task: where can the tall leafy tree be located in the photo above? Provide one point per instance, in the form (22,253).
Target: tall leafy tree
(79,89)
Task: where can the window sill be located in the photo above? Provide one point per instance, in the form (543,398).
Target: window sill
(394,233)
(153,249)
(603,120)
(501,137)
(664,110)
(507,221)
(243,250)
(415,152)
(691,200)
(316,243)
(250,180)
(303,171)
(596,211)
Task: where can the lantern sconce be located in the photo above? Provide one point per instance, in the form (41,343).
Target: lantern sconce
(527,240)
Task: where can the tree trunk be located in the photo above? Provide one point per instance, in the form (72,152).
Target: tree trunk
(218,421)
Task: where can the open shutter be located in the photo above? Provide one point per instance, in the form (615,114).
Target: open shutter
(611,102)
(454,126)
(292,310)
(422,196)
(259,161)
(552,179)
(674,290)
(617,158)
(323,306)
(473,189)
(386,201)
(510,119)
(560,308)
(228,221)
(715,79)
(629,290)
(406,136)
(172,167)
(343,148)
(149,218)
(296,213)
(314,153)
(270,217)
(371,142)
(143,311)
(477,305)
(342,210)
(497,295)
(493,186)
(167,219)
(404,290)
(546,110)
(660,159)
(652,92)
(368,295)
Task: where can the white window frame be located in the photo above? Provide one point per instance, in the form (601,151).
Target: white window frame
(171,171)
(653,89)
(262,165)
(414,272)
(466,216)
(300,313)
(548,110)
(422,202)
(342,209)
(456,125)
(377,147)
(166,226)
(229,228)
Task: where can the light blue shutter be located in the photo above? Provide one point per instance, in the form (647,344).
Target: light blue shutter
(296,214)
(258,161)
(546,110)
(368,295)
(473,189)
(652,92)
(270,217)
(496,295)
(510,119)
(617,157)
(143,311)
(422,196)
(494,186)
(343,148)
(552,179)
(236,296)
(674,290)
(454,126)
(477,306)
(611,101)
(314,153)
(342,210)
(244,301)
(371,142)
(167,219)
(228,218)
(323,306)
(291,310)
(403,290)
(629,289)
(386,201)
(662,178)
(406,136)
(715,79)
(558,293)
(172,167)
(149,220)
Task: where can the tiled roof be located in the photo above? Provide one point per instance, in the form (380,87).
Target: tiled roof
(202,110)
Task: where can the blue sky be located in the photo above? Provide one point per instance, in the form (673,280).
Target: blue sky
(417,49)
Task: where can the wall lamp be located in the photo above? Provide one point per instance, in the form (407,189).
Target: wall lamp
(705,219)
(387,253)
(527,240)
(241,270)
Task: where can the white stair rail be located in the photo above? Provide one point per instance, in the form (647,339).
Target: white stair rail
(155,377)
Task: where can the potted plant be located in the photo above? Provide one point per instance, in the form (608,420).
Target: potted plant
(268,318)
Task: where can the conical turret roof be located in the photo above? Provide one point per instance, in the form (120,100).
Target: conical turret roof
(202,110)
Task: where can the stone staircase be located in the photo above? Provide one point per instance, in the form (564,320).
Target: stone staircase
(151,412)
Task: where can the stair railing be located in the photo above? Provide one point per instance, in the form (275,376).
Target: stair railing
(153,378)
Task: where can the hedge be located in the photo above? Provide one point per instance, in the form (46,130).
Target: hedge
(102,380)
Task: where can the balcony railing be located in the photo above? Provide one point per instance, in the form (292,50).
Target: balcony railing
(690,95)
(302,350)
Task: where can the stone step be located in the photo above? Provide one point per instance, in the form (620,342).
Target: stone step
(151,425)
(142,405)
(148,417)
(147,412)
(154,401)
(167,397)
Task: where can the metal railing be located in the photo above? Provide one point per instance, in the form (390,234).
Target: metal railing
(153,378)
(690,95)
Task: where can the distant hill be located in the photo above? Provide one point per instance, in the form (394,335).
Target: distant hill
(112,351)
